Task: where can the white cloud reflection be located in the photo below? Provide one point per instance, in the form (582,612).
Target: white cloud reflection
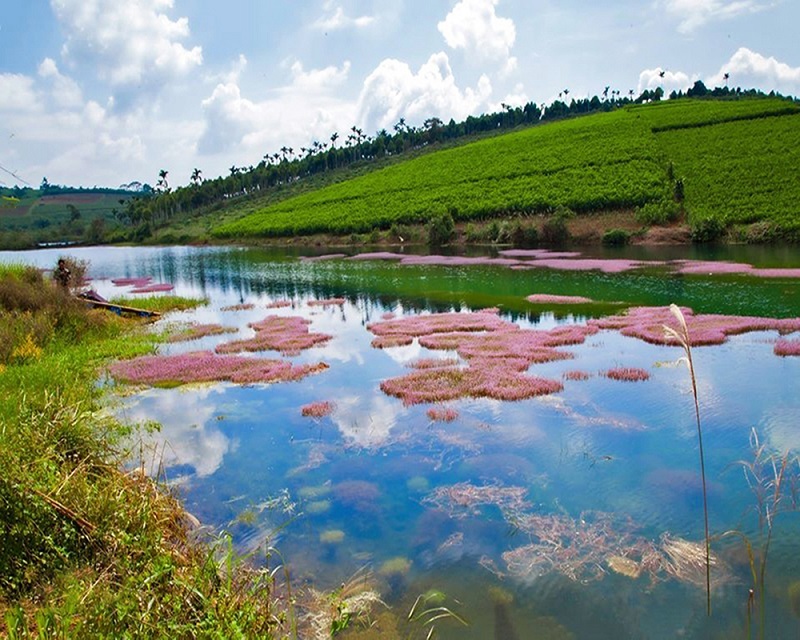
(367,420)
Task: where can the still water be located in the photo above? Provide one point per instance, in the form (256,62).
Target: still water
(524,514)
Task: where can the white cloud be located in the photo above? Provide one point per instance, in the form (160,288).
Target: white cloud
(66,91)
(392,91)
(473,26)
(335,19)
(750,69)
(695,13)
(131,43)
(671,81)
(17,93)
(307,108)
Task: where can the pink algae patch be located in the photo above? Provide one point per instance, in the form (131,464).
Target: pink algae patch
(787,348)
(387,342)
(197,331)
(388,316)
(715,268)
(546,298)
(318,409)
(436,323)
(442,414)
(627,374)
(288,335)
(433,363)
(204,366)
(647,323)
(135,282)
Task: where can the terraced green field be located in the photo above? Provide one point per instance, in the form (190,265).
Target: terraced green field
(603,162)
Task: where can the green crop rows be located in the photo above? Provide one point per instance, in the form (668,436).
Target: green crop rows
(601,162)
(740,172)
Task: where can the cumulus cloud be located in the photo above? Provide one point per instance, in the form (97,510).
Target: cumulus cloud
(393,91)
(695,13)
(131,43)
(17,92)
(671,81)
(65,91)
(334,18)
(305,108)
(750,69)
(473,26)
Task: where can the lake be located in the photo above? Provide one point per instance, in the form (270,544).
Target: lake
(576,513)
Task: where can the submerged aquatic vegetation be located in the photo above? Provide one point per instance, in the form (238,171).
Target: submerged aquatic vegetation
(204,366)
(329,302)
(288,335)
(465,499)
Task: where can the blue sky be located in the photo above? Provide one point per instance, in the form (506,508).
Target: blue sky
(104,92)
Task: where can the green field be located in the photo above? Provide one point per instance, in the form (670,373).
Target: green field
(735,157)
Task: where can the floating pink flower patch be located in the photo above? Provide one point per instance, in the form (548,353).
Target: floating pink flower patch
(279,304)
(153,288)
(289,335)
(577,375)
(388,316)
(715,268)
(627,374)
(245,306)
(327,256)
(318,409)
(204,366)
(330,302)
(387,342)
(546,298)
(438,323)
(787,348)
(442,414)
(197,331)
(647,323)
(433,363)
(136,282)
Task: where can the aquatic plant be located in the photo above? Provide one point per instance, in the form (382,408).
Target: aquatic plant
(388,316)
(433,363)
(465,499)
(424,325)
(627,374)
(787,348)
(279,304)
(330,302)
(387,342)
(318,409)
(647,323)
(357,494)
(135,282)
(442,414)
(547,298)
(204,366)
(244,306)
(197,331)
(332,536)
(287,334)
(153,288)
(576,375)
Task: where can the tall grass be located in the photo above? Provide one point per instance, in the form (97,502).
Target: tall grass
(681,336)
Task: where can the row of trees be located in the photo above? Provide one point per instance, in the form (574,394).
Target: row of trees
(287,165)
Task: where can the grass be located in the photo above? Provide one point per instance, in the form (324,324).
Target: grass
(161,304)
(90,549)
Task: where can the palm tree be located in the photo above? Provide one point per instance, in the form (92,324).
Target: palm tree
(726,76)
(661,73)
(334,138)
(162,179)
(196,179)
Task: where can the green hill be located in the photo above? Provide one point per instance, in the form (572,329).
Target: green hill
(733,161)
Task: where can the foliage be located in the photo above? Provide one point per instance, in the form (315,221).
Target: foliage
(707,230)
(162,304)
(441,229)
(554,230)
(658,212)
(616,238)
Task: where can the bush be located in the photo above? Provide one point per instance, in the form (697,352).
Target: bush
(524,236)
(707,230)
(441,230)
(616,238)
(554,230)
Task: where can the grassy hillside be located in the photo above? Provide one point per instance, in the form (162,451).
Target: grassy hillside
(734,159)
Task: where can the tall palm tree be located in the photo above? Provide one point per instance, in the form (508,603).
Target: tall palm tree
(726,76)
(196,179)
(334,138)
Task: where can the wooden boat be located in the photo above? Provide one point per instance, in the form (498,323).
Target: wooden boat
(119,309)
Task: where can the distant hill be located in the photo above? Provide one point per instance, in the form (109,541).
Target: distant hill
(719,164)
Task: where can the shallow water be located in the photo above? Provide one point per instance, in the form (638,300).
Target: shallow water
(606,467)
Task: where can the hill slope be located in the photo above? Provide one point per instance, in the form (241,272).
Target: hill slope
(733,157)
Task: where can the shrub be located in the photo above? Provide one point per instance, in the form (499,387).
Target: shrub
(616,238)
(441,230)
(554,230)
(524,236)
(707,230)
